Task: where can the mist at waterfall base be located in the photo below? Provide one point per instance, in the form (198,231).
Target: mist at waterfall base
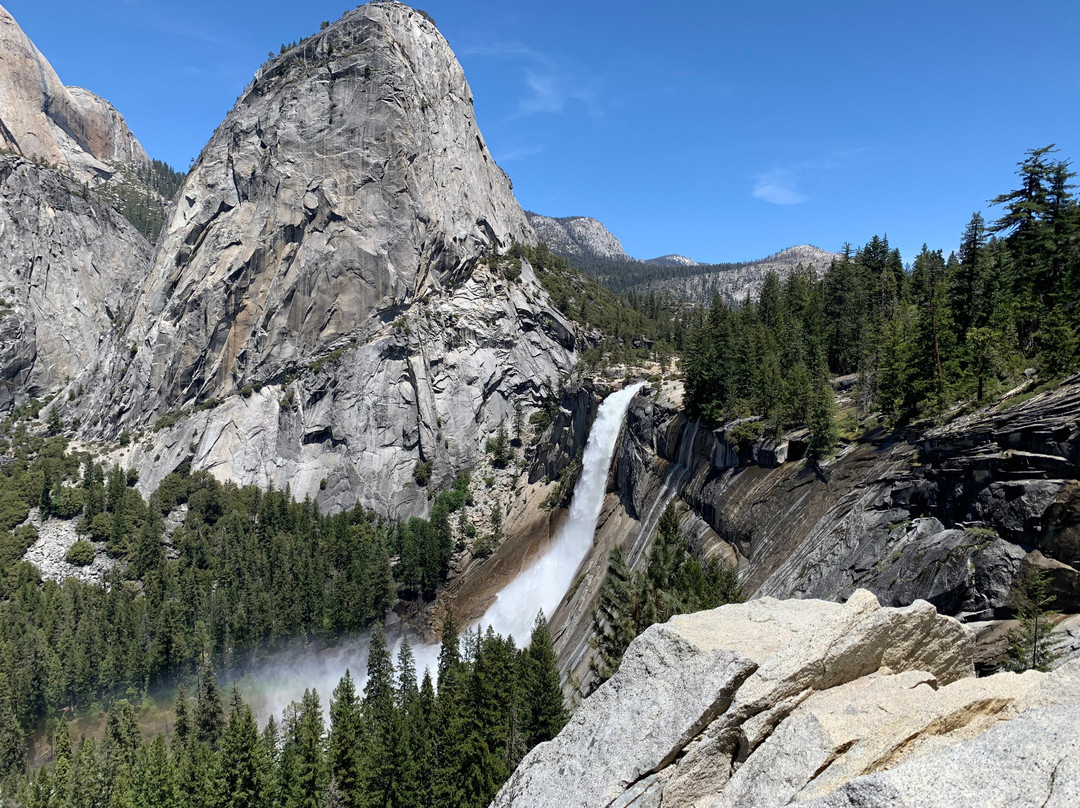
(271,686)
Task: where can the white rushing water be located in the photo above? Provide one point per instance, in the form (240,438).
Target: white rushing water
(545,582)
(542,585)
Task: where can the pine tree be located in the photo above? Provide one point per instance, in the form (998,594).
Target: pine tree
(448,722)
(209,713)
(613,621)
(1035,643)
(243,762)
(823,431)
(345,755)
(304,754)
(424,750)
(544,709)
(12,739)
(119,751)
(378,714)
(155,777)
(87,779)
(62,767)
(182,727)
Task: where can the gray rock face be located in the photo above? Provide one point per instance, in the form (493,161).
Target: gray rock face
(1032,760)
(577,235)
(69,268)
(815,703)
(810,703)
(71,128)
(569,432)
(672,260)
(668,689)
(744,282)
(987,496)
(321,306)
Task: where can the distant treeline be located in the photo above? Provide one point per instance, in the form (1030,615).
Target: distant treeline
(948,330)
(142,196)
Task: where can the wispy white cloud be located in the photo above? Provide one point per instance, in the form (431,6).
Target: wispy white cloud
(519,153)
(549,84)
(778,187)
(549,90)
(501,50)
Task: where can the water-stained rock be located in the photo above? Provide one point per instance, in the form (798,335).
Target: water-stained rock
(322,311)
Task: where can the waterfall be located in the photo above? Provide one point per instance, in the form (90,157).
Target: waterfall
(672,480)
(546,581)
(542,585)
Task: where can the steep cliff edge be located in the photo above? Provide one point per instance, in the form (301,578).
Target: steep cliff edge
(323,309)
(773,703)
(948,515)
(69,269)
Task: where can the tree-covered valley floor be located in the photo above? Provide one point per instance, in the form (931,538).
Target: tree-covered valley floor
(249,573)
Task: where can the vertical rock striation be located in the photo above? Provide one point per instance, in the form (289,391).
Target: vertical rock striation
(69,128)
(323,290)
(69,268)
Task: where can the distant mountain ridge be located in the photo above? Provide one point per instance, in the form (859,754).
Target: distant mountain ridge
(673,260)
(579,236)
(594,249)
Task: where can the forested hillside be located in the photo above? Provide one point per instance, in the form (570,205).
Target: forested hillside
(245,573)
(951,330)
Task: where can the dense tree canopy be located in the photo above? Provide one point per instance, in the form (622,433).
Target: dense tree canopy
(920,339)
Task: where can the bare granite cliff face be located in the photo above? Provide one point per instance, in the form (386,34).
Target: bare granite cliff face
(950,515)
(743,282)
(70,128)
(578,236)
(69,268)
(323,309)
(775,703)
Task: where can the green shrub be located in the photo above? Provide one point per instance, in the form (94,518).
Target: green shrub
(422,472)
(101,527)
(13,509)
(69,503)
(81,554)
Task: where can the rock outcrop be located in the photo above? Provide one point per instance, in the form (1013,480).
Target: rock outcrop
(324,309)
(69,268)
(672,260)
(950,515)
(773,703)
(579,236)
(69,128)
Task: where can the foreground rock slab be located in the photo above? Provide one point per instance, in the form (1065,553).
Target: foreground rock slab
(773,703)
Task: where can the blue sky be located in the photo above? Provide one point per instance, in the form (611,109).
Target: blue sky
(723,131)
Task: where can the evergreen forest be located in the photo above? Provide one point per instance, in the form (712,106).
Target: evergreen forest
(394,743)
(919,341)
